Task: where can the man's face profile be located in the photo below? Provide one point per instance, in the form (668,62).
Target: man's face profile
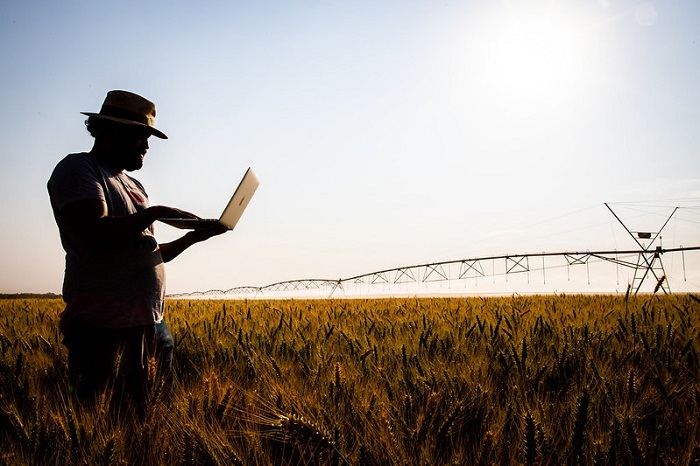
(131,145)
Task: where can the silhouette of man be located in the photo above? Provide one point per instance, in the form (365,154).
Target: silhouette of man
(114,282)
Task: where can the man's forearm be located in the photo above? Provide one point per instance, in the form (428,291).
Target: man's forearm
(171,250)
(88,221)
(115,229)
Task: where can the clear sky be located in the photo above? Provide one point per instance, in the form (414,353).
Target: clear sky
(385,133)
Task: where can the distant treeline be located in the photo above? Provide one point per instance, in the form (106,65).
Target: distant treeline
(29,295)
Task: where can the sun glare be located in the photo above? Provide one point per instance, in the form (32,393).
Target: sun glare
(533,58)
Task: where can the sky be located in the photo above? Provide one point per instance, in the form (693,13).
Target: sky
(384,133)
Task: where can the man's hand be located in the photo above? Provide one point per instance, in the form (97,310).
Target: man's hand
(203,234)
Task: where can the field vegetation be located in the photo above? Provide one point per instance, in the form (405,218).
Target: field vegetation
(494,381)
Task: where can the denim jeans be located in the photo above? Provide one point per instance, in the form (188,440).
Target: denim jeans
(164,350)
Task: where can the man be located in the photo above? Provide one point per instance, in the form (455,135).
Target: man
(114,282)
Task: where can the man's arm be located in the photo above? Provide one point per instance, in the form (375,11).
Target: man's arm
(88,221)
(171,250)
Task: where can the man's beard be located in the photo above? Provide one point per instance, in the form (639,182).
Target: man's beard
(134,163)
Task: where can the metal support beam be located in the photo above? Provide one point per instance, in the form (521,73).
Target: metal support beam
(517,264)
(648,262)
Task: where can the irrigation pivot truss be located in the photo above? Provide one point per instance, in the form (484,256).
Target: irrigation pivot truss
(645,262)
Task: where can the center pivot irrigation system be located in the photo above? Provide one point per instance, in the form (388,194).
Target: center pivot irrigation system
(645,261)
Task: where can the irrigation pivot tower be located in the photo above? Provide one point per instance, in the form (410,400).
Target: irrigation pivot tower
(649,262)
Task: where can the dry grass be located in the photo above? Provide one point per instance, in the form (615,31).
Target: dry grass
(521,380)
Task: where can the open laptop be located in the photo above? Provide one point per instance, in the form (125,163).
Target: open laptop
(231,214)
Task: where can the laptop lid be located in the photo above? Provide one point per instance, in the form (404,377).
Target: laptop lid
(240,199)
(233,211)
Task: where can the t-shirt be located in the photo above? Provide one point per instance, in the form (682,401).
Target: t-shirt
(119,285)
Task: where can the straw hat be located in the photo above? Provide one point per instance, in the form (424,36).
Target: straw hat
(130,109)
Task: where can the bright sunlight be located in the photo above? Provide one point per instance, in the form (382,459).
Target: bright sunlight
(535,56)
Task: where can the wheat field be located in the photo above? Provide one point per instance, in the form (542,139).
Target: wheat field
(494,381)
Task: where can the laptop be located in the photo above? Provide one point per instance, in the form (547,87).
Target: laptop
(231,214)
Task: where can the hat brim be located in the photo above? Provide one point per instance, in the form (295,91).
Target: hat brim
(155,132)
